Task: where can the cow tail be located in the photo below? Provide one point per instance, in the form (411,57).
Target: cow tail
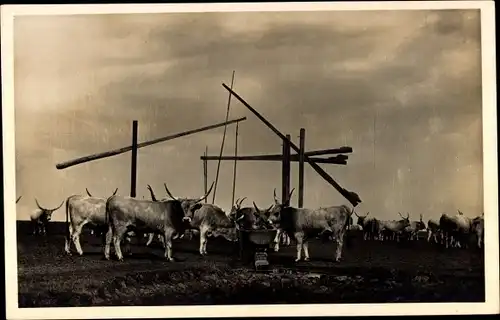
(67,221)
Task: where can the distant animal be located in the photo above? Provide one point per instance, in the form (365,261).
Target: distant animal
(208,219)
(18,199)
(301,224)
(84,210)
(165,217)
(41,217)
(478,229)
(395,227)
(433,230)
(456,229)
(414,227)
(369,225)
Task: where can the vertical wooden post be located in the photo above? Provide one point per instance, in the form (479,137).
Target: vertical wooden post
(302,138)
(133,167)
(205,174)
(285,188)
(235,161)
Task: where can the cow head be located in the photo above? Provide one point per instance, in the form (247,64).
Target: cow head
(46,214)
(405,220)
(261,217)
(188,204)
(234,214)
(274,213)
(421,224)
(18,199)
(361,219)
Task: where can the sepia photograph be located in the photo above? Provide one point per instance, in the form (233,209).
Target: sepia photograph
(292,159)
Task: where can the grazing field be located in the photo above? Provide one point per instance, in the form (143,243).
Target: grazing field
(370,272)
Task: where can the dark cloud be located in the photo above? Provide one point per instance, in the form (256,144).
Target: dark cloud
(414,76)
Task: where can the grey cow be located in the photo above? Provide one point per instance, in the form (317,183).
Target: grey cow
(370,225)
(41,217)
(165,217)
(414,227)
(302,224)
(433,230)
(394,228)
(80,211)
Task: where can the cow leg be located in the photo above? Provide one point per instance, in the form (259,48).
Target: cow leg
(340,244)
(305,245)
(299,236)
(67,243)
(117,237)
(168,234)
(109,236)
(429,235)
(75,237)
(287,242)
(204,229)
(277,240)
(150,239)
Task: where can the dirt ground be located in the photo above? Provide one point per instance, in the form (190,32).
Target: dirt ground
(371,272)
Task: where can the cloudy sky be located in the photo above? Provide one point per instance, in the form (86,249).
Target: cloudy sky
(81,80)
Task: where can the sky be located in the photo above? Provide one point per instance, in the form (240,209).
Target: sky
(402,88)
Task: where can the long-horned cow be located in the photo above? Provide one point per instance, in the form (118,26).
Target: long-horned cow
(395,227)
(456,229)
(80,211)
(301,224)
(414,227)
(41,217)
(206,218)
(370,226)
(433,230)
(165,217)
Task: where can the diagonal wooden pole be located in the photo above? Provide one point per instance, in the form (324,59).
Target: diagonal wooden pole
(222,144)
(235,161)
(352,197)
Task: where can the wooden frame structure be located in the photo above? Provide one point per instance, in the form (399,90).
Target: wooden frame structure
(286,157)
(135,146)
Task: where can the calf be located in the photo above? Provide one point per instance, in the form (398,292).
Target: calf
(41,217)
(301,224)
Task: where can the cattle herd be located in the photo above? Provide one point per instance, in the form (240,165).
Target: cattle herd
(123,217)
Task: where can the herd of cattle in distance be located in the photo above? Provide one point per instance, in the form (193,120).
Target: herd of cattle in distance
(122,217)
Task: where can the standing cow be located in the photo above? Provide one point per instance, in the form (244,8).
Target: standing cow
(456,229)
(433,230)
(165,217)
(41,217)
(394,228)
(80,211)
(370,225)
(302,224)
(414,227)
(281,236)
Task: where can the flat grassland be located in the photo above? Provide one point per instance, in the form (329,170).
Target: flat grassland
(371,272)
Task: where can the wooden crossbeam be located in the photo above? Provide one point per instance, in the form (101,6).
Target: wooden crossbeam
(115,152)
(339,159)
(352,197)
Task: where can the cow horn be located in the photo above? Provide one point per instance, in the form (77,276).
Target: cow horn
(356,214)
(58,206)
(208,192)
(256,208)
(168,192)
(88,192)
(275,198)
(116,190)
(366,215)
(18,199)
(400,214)
(153,197)
(290,194)
(241,201)
(39,206)
(270,207)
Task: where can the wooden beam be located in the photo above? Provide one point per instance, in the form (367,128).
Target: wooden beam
(339,159)
(235,161)
(115,152)
(352,197)
(205,174)
(133,166)
(302,138)
(285,171)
